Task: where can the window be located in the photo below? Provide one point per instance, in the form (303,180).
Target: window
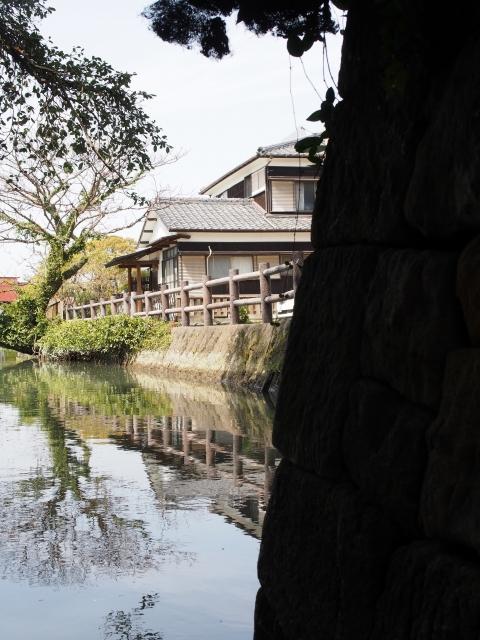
(220,265)
(289,196)
(170,267)
(305,195)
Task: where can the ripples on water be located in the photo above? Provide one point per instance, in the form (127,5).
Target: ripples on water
(130,506)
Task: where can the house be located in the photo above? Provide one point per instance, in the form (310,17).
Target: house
(258,212)
(278,178)
(8,289)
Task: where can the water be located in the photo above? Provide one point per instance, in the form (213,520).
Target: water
(130,506)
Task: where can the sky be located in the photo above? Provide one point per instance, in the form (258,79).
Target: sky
(214,113)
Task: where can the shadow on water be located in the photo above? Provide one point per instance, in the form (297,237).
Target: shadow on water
(71,515)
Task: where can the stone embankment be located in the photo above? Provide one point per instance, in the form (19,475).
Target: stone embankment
(372,531)
(249,355)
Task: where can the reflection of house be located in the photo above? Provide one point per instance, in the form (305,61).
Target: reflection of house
(8,289)
(258,212)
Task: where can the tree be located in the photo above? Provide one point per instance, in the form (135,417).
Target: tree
(83,103)
(190,22)
(74,141)
(93,281)
(62,203)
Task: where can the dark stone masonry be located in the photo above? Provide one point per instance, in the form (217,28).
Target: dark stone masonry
(373,529)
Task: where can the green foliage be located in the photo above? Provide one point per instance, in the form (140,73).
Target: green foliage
(93,281)
(19,324)
(244,315)
(67,100)
(314,145)
(113,338)
(190,22)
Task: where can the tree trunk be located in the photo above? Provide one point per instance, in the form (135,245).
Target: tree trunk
(56,271)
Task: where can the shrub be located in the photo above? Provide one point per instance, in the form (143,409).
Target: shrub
(113,338)
(244,316)
(19,324)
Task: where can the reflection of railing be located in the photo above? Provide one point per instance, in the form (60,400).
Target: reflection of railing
(174,435)
(171,303)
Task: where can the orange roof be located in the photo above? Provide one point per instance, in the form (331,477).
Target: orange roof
(8,288)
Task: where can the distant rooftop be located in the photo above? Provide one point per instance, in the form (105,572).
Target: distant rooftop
(8,291)
(286,148)
(224,214)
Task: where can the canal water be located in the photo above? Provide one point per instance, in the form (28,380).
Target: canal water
(131,506)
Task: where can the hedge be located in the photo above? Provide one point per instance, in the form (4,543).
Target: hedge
(113,338)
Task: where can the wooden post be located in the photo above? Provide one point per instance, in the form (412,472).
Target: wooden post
(83,312)
(184,301)
(209,450)
(297,268)
(148,304)
(113,308)
(61,309)
(103,311)
(185,440)
(167,432)
(237,462)
(139,289)
(133,304)
(125,305)
(207,299)
(92,309)
(164,301)
(129,275)
(234,295)
(265,290)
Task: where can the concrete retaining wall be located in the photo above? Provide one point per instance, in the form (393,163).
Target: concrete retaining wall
(246,355)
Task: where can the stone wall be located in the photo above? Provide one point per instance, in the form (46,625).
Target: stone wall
(249,355)
(372,531)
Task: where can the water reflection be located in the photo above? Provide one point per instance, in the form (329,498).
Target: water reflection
(105,475)
(121,625)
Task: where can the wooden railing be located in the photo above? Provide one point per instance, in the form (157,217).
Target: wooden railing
(172,302)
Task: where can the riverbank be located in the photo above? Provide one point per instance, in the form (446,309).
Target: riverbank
(249,356)
(244,355)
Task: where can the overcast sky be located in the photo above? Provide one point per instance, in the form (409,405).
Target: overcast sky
(216,113)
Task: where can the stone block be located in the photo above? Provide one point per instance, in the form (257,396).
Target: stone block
(376,127)
(443,197)
(413,320)
(384,446)
(323,357)
(267,626)
(468,288)
(323,557)
(430,594)
(451,492)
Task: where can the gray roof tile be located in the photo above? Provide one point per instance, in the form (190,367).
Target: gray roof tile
(225,214)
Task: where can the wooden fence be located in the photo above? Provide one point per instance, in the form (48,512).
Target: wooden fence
(172,302)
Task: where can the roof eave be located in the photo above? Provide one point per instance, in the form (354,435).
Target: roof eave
(154,246)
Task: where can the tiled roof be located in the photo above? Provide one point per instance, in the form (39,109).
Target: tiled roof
(282,150)
(225,214)
(286,147)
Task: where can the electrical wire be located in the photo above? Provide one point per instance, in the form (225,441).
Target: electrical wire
(309,79)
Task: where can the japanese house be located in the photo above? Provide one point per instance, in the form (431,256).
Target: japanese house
(258,212)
